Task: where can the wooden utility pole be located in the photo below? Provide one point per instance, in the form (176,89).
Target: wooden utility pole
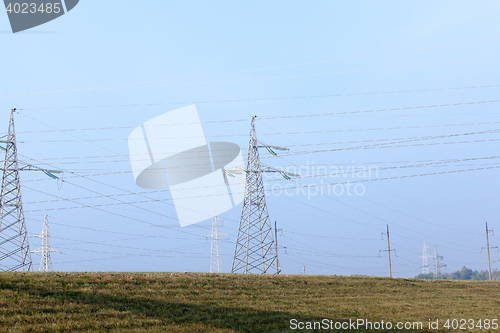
(388,250)
(275,238)
(488,250)
(488,247)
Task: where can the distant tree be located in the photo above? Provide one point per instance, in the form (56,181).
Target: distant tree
(480,276)
(428,276)
(465,273)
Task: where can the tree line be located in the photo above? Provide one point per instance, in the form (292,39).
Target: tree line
(463,274)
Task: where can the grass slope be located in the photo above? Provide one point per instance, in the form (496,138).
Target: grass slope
(188,302)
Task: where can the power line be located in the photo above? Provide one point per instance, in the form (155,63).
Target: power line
(265,134)
(122,202)
(117,214)
(241,71)
(286,197)
(294,165)
(111,232)
(338,200)
(350,205)
(120,246)
(417,204)
(382,110)
(307,115)
(447,247)
(287,76)
(260,99)
(397,140)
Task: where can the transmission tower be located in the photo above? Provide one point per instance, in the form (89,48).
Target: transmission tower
(45,250)
(14,246)
(437,264)
(215,264)
(255,250)
(425,263)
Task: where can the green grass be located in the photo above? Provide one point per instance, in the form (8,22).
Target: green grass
(188,302)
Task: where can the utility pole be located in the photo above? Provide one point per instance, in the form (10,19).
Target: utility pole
(276,236)
(425,264)
(388,250)
(488,250)
(215,262)
(45,250)
(256,250)
(276,240)
(303,270)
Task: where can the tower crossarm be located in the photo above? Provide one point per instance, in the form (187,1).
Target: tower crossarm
(264,169)
(284,174)
(271,149)
(29,167)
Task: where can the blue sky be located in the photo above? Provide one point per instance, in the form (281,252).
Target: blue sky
(426,74)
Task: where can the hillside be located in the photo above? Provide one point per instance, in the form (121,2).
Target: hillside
(188,302)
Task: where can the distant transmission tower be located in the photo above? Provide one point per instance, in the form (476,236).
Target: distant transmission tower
(437,264)
(425,263)
(255,250)
(14,246)
(45,250)
(215,263)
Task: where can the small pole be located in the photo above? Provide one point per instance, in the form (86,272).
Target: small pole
(389,251)
(276,244)
(278,268)
(488,249)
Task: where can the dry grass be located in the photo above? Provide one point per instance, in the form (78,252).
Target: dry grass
(187,302)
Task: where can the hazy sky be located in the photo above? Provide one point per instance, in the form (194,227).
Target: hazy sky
(408,89)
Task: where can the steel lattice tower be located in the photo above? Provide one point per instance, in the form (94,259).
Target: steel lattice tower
(14,247)
(255,250)
(45,250)
(437,264)
(425,263)
(215,263)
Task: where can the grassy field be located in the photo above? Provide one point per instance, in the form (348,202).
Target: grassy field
(188,302)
